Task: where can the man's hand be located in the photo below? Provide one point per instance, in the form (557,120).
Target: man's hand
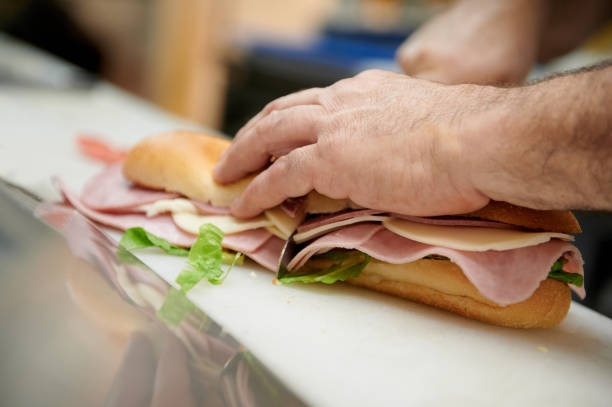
(391,142)
(477,41)
(384,140)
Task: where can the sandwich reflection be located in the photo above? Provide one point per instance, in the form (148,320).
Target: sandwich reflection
(173,354)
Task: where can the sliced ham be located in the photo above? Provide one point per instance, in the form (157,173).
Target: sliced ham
(320,225)
(268,254)
(97,149)
(292,206)
(324,220)
(259,244)
(208,209)
(329,223)
(248,241)
(161,225)
(109,191)
(505,277)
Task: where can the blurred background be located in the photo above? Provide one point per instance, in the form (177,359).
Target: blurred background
(217,63)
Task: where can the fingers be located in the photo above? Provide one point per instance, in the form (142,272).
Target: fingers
(275,135)
(290,176)
(304,97)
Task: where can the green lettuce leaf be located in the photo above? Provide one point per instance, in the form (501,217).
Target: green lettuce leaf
(557,273)
(205,259)
(175,308)
(570,278)
(232,258)
(138,238)
(319,270)
(558,265)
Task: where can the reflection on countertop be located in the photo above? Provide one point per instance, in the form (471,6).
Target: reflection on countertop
(103,329)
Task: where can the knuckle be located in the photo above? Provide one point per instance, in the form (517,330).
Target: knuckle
(280,167)
(370,73)
(329,101)
(266,124)
(341,84)
(271,106)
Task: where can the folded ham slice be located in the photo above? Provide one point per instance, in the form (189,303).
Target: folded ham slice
(162,225)
(208,209)
(269,253)
(505,277)
(258,244)
(247,241)
(109,191)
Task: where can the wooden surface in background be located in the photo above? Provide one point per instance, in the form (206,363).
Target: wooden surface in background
(185,70)
(173,52)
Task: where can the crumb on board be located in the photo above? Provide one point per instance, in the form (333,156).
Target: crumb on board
(253,274)
(542,349)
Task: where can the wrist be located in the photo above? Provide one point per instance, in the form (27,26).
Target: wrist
(481,136)
(544,146)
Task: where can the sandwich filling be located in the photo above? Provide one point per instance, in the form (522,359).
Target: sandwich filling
(505,263)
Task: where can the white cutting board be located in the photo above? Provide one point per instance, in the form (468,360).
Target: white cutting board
(332,345)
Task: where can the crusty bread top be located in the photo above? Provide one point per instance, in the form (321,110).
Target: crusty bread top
(183,162)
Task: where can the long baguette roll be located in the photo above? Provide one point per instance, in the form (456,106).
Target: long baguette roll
(442,284)
(182,161)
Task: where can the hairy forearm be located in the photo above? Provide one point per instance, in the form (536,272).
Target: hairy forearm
(548,145)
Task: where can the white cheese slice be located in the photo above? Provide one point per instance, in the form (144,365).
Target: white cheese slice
(191,223)
(276,220)
(475,239)
(285,224)
(274,230)
(178,205)
(321,230)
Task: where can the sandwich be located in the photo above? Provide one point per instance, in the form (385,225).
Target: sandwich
(503,264)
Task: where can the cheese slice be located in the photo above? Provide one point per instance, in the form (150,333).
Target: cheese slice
(276,232)
(284,224)
(476,239)
(191,223)
(278,222)
(178,205)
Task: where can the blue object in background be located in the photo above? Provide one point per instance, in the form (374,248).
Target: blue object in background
(337,51)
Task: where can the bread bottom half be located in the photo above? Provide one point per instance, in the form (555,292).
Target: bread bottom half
(442,284)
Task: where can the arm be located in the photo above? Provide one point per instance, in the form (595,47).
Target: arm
(555,147)
(477,41)
(497,42)
(394,143)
